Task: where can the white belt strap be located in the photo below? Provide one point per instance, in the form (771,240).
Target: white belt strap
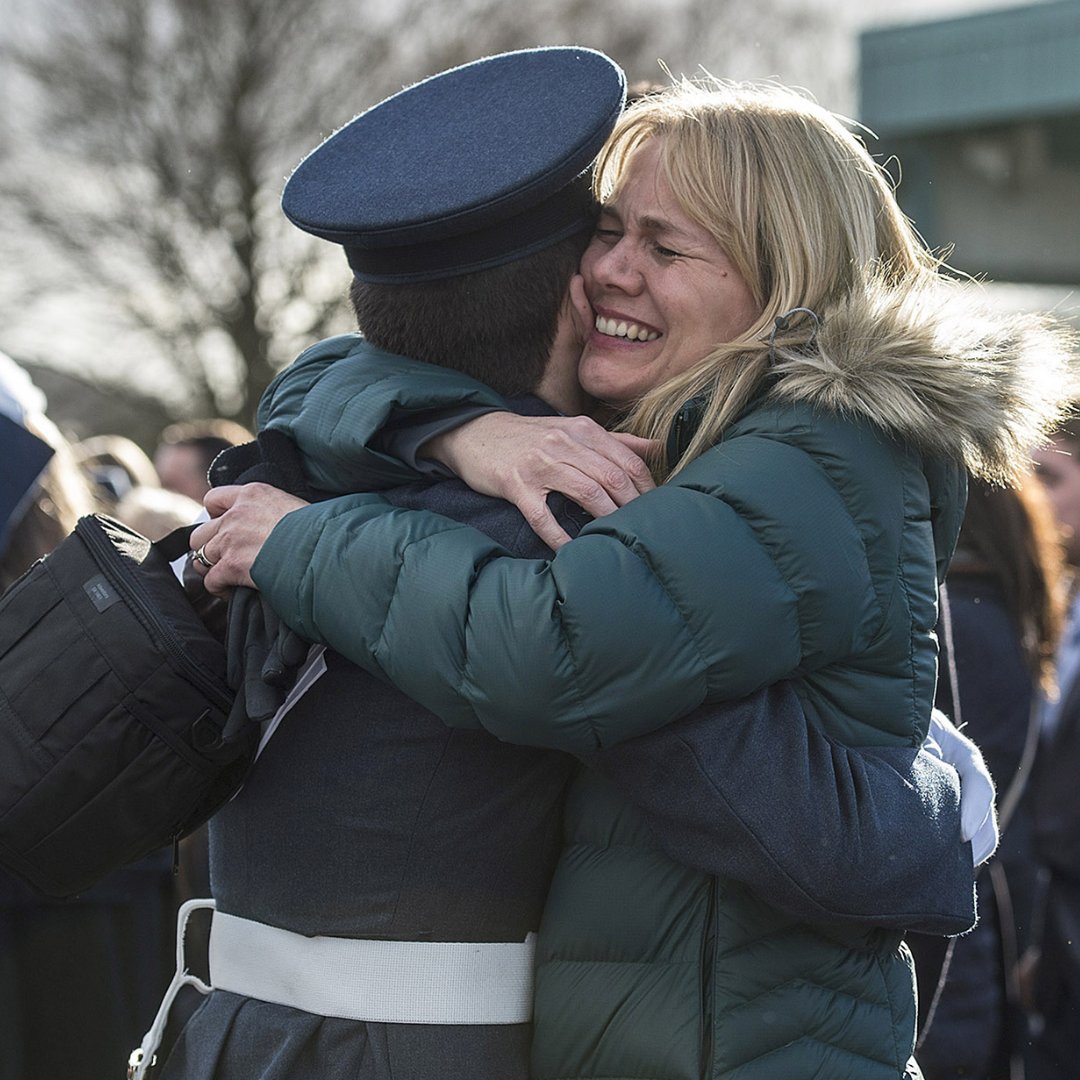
(403,982)
(144,1056)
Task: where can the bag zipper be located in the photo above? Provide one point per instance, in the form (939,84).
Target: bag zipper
(105,555)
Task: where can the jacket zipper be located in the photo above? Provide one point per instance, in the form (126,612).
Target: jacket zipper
(687,420)
(708,960)
(105,556)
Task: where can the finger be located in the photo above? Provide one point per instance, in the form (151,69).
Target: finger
(225,573)
(588,480)
(541,520)
(216,583)
(612,473)
(644,451)
(591,496)
(218,500)
(583,445)
(619,445)
(201,561)
(631,454)
(202,534)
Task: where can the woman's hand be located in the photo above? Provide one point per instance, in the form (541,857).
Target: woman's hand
(523,458)
(242,516)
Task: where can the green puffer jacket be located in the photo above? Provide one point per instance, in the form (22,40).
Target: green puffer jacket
(807,544)
(648,969)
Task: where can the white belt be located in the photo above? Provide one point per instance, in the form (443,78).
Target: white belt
(395,982)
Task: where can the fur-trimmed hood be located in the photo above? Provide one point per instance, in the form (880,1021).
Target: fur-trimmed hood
(939,368)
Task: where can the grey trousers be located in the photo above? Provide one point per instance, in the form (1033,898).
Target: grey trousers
(236,1038)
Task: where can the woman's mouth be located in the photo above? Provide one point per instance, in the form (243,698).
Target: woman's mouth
(624,328)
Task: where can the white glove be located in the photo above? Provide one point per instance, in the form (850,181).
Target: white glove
(978,814)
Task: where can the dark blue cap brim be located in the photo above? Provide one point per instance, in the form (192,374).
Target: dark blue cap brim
(477,166)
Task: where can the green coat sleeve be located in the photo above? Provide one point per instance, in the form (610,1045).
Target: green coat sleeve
(673,600)
(335,399)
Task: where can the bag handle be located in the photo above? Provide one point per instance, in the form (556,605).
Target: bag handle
(176,544)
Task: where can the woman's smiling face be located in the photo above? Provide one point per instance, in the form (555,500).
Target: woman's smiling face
(663,291)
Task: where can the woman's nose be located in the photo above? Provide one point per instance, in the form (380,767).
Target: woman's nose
(617,268)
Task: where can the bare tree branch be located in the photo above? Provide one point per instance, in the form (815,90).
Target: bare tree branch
(158,134)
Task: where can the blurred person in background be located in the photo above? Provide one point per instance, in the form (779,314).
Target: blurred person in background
(185,451)
(1052,966)
(78,979)
(1006,609)
(155,511)
(115,464)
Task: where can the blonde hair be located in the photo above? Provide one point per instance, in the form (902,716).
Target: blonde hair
(797,204)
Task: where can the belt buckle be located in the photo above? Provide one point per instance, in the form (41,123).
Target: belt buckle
(135,1060)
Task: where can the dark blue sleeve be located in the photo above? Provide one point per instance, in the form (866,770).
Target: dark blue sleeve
(751,790)
(402,439)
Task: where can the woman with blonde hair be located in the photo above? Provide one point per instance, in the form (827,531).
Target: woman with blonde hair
(756,303)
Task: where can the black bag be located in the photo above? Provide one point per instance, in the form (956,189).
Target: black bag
(115,730)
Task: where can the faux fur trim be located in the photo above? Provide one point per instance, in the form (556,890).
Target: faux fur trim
(938,367)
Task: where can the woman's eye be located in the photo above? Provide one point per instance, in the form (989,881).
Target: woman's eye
(609,236)
(666,252)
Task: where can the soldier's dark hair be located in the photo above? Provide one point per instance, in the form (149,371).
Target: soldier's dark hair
(496,325)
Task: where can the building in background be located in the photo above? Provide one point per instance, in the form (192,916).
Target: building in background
(983,113)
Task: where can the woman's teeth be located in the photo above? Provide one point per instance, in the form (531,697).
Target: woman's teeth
(614,328)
